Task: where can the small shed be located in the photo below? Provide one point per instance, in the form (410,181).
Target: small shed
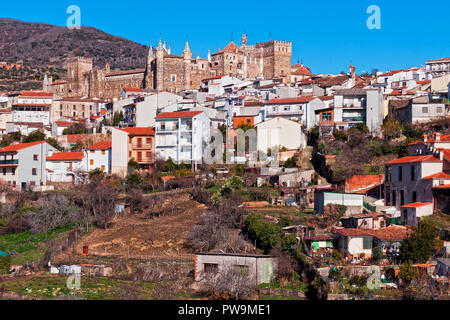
(260,268)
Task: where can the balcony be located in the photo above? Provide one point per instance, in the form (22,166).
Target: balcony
(141,146)
(14,162)
(353,119)
(167,129)
(145,160)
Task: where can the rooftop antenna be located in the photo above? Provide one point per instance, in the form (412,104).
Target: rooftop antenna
(231,36)
(270,36)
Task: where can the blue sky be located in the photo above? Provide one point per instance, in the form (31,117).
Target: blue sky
(327,35)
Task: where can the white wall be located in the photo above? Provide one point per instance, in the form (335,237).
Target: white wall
(119,152)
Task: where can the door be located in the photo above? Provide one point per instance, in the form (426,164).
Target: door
(267,272)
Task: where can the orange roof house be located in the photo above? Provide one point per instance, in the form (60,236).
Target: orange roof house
(64,156)
(101,145)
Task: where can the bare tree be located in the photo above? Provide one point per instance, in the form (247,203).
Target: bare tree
(230,283)
(99,199)
(55,211)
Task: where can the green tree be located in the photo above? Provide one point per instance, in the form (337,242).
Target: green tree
(421,243)
(171,166)
(117,118)
(291,162)
(362,127)
(132,164)
(54,143)
(407,273)
(34,136)
(340,135)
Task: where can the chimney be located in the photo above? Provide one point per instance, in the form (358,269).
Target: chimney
(244,39)
(425,138)
(437,136)
(352,72)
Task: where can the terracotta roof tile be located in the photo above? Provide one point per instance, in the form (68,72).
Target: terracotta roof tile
(63,123)
(439,175)
(74,138)
(61,156)
(139,130)
(390,233)
(410,159)
(178,114)
(416,205)
(20,146)
(302,99)
(101,145)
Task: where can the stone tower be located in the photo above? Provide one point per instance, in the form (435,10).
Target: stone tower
(187,57)
(150,69)
(77,67)
(159,67)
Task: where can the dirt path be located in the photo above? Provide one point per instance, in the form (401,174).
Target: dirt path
(138,236)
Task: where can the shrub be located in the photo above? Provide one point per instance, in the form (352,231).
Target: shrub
(420,244)
(5,264)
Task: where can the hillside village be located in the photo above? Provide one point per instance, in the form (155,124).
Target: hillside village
(230,176)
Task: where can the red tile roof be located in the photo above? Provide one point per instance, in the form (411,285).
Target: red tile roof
(302,71)
(416,205)
(133,89)
(139,130)
(61,156)
(439,60)
(447,154)
(439,175)
(302,99)
(396,93)
(20,146)
(390,233)
(362,183)
(178,114)
(63,123)
(442,186)
(389,73)
(101,145)
(74,138)
(423,81)
(213,78)
(36,94)
(410,159)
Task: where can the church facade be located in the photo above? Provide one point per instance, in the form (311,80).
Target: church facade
(165,71)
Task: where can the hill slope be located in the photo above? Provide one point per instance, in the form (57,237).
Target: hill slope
(44,45)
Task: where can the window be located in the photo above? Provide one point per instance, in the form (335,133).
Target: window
(394,198)
(13,170)
(402,197)
(400,173)
(412,173)
(424,109)
(210,267)
(92,151)
(34,171)
(35,157)
(149,140)
(4,171)
(439,109)
(91,162)
(103,152)
(414,196)
(326,116)
(103,168)
(367,242)
(173,78)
